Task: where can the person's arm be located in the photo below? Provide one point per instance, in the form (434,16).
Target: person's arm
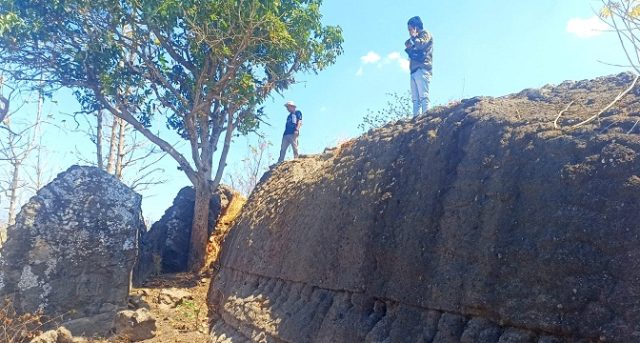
(299,121)
(408,44)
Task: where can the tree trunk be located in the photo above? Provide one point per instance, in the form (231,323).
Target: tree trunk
(113,145)
(222,163)
(199,227)
(99,140)
(121,145)
(39,182)
(37,135)
(13,195)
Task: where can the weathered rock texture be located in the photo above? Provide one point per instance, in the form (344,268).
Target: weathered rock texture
(477,223)
(72,249)
(135,325)
(165,248)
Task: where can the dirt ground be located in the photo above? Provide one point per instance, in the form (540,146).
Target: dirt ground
(185,321)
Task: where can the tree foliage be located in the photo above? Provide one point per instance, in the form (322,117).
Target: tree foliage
(203,66)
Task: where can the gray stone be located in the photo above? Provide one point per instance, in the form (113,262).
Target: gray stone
(450,328)
(135,325)
(173,297)
(481,209)
(549,339)
(481,330)
(165,247)
(100,324)
(517,336)
(73,246)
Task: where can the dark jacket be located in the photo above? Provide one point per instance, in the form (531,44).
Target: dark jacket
(420,52)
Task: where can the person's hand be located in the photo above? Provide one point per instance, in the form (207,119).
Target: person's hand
(296,133)
(407,44)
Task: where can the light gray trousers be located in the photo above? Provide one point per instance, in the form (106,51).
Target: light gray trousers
(286,141)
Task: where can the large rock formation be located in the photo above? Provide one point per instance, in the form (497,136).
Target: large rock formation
(479,222)
(165,248)
(72,249)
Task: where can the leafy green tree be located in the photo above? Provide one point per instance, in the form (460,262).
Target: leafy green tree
(203,66)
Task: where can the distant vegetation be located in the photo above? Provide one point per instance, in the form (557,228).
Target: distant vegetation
(398,106)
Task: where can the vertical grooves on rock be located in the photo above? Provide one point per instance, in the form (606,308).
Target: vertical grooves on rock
(319,309)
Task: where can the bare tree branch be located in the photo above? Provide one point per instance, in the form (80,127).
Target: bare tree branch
(622,94)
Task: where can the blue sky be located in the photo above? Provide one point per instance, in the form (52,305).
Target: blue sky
(488,48)
(480,48)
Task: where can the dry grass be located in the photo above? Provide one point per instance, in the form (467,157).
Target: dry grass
(19,328)
(224,224)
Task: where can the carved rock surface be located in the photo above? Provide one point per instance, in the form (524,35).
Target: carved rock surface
(479,222)
(72,249)
(165,247)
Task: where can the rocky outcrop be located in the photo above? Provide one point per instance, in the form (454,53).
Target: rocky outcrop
(479,222)
(165,248)
(72,249)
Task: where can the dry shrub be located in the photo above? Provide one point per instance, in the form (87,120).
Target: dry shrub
(223,225)
(18,328)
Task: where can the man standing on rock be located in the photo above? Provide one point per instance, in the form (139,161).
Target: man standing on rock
(291,131)
(419,47)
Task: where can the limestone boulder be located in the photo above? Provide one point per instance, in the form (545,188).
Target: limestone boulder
(72,249)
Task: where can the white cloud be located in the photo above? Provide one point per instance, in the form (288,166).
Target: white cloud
(586,28)
(394,56)
(374,58)
(370,58)
(402,62)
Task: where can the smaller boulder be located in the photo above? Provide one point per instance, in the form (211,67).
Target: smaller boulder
(50,336)
(135,325)
(100,324)
(173,297)
(61,335)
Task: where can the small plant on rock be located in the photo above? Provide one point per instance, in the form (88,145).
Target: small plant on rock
(190,311)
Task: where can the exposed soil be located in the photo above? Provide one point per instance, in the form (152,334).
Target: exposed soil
(185,321)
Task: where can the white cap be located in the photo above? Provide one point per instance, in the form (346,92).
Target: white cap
(290,103)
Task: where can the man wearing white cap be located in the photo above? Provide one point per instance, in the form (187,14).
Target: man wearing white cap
(291,131)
